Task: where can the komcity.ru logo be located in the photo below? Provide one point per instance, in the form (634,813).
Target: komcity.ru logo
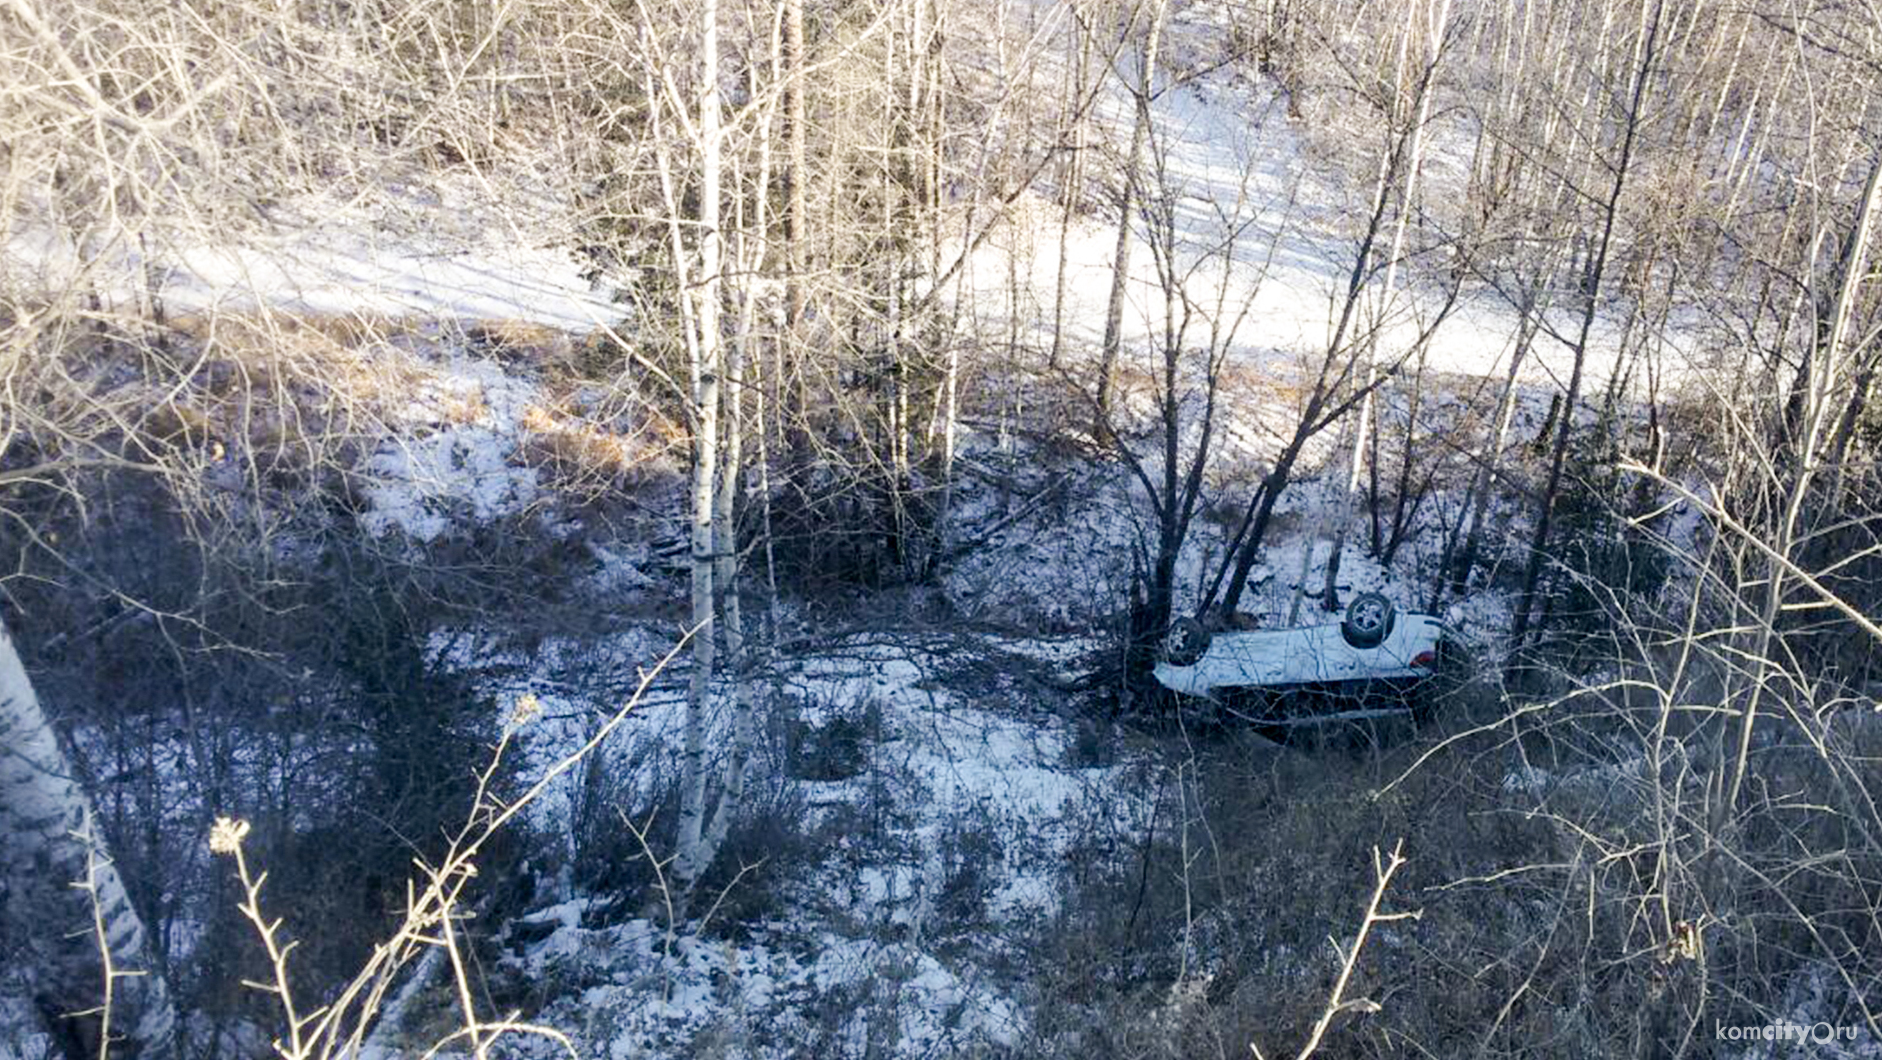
(1822,1033)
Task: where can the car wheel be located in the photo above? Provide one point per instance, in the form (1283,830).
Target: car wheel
(1186,642)
(1369,620)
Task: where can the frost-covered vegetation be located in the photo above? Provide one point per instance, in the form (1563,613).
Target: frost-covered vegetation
(646,529)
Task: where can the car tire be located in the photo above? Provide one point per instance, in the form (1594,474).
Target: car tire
(1369,620)
(1186,642)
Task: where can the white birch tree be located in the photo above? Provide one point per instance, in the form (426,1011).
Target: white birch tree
(90,969)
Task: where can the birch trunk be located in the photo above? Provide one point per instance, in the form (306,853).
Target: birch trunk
(707,362)
(792,435)
(1071,180)
(98,1001)
(1121,256)
(725,581)
(746,261)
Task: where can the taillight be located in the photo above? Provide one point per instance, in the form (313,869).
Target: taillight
(1425,658)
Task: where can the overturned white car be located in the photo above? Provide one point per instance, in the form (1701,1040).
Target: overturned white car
(1374,662)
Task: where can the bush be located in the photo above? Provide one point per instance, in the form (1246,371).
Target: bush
(1610,554)
(836,748)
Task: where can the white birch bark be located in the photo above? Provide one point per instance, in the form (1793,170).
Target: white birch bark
(1121,256)
(747,260)
(692,855)
(50,847)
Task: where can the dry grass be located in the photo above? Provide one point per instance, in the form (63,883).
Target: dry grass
(238,360)
(372,366)
(297,400)
(582,456)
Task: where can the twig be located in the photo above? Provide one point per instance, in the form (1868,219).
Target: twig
(1337,1002)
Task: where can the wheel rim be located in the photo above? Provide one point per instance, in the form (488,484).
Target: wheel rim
(1185,644)
(1368,616)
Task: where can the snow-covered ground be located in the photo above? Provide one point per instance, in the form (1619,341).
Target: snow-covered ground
(1266,230)
(455,455)
(436,249)
(985,803)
